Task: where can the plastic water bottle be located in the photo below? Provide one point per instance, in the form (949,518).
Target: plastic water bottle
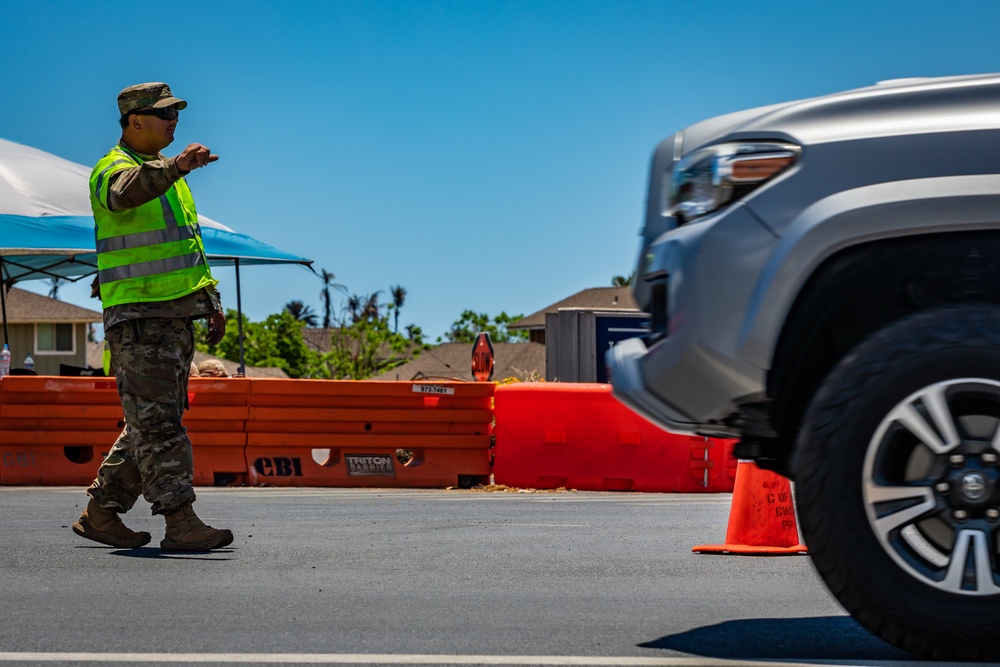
(29,363)
(5,361)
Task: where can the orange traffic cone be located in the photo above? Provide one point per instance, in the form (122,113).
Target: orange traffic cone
(762,517)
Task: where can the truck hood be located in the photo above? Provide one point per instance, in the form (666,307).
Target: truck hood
(896,107)
(899,106)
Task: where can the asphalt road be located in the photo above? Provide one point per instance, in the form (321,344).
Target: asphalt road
(339,576)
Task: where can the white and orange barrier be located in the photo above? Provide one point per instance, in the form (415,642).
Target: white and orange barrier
(371,434)
(57,430)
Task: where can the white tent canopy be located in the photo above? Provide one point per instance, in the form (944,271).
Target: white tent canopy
(47,228)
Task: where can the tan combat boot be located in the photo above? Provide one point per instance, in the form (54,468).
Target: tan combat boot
(103,525)
(186,532)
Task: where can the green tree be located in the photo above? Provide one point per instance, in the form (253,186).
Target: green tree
(622,281)
(465,328)
(416,334)
(302,313)
(364,345)
(277,341)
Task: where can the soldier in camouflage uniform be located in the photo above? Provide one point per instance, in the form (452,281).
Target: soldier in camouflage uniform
(151,339)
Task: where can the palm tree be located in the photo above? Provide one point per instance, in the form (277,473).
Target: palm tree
(363,307)
(415,333)
(398,297)
(354,306)
(54,289)
(622,281)
(302,313)
(370,310)
(327,277)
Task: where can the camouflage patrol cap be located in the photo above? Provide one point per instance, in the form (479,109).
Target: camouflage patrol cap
(154,95)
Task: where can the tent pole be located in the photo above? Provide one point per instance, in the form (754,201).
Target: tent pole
(3,302)
(239,316)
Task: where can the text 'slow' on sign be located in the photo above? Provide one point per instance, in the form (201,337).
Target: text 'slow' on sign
(482,358)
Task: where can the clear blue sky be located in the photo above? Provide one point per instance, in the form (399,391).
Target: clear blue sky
(484,155)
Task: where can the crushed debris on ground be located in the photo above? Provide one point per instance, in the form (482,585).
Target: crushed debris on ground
(503,488)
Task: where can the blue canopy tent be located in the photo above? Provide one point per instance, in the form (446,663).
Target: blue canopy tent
(47,231)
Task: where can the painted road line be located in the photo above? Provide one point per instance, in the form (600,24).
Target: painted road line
(421,659)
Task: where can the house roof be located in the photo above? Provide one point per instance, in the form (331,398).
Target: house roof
(453,361)
(596,298)
(317,338)
(24,306)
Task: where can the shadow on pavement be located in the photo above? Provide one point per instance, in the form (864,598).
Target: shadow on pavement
(821,638)
(153,552)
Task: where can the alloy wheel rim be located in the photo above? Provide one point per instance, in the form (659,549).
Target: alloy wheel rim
(931,485)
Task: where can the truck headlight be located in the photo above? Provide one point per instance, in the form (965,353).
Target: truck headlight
(713,177)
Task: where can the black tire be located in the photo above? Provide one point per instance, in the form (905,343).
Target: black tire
(886,535)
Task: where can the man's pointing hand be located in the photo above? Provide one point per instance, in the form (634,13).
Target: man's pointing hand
(193,157)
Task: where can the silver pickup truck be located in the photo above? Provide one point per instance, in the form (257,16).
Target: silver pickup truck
(823,280)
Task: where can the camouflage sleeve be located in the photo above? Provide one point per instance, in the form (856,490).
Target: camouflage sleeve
(215,298)
(136,186)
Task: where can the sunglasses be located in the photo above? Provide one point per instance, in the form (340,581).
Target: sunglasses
(167,113)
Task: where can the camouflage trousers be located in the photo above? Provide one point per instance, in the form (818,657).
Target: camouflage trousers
(152,456)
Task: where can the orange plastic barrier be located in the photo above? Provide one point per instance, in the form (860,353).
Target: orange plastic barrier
(56,430)
(762,518)
(577,435)
(216,424)
(368,434)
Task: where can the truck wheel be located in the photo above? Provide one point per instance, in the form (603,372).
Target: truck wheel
(898,483)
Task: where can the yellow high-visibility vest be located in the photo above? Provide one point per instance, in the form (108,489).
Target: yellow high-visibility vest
(152,252)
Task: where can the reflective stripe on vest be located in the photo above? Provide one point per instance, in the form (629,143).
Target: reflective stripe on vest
(154,237)
(151,268)
(152,252)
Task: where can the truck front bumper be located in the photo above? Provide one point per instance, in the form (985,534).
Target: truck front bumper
(690,375)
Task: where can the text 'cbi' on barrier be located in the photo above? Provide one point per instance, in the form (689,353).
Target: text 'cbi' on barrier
(577,435)
(369,434)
